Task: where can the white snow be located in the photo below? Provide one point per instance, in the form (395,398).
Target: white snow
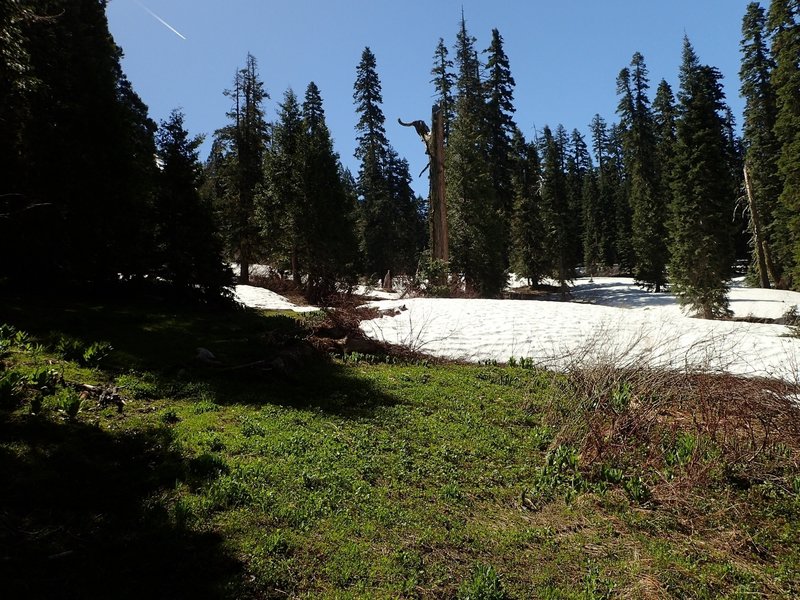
(609,319)
(258,297)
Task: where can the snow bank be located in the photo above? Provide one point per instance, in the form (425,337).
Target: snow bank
(610,319)
(257,297)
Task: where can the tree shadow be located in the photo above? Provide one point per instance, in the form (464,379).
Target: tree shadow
(621,295)
(80,517)
(259,358)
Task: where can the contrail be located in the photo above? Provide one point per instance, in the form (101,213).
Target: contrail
(162,21)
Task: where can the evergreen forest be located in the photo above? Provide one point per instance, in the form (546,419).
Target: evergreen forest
(159,439)
(94,192)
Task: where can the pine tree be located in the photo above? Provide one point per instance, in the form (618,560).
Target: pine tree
(500,123)
(619,183)
(529,252)
(664,120)
(243,144)
(280,204)
(390,220)
(579,164)
(476,230)
(647,199)
(591,216)
(701,230)
(604,204)
(328,212)
(84,148)
(189,248)
(444,83)
(784,24)
(555,205)
(16,87)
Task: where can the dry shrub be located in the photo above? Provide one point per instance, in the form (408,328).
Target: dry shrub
(677,430)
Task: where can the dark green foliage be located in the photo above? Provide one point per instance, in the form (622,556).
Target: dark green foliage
(701,230)
(620,192)
(188,246)
(390,220)
(444,83)
(579,165)
(647,198)
(592,219)
(474,213)
(501,127)
(784,25)
(16,86)
(328,212)
(81,148)
(279,205)
(602,206)
(529,252)
(556,206)
(236,166)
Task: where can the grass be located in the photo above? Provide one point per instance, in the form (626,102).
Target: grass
(353,478)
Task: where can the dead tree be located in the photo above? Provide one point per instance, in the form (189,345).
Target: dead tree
(434,147)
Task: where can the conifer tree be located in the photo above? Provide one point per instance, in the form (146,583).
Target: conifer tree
(444,84)
(555,204)
(476,230)
(579,164)
(243,143)
(647,200)
(500,123)
(784,24)
(280,204)
(328,212)
(372,184)
(85,155)
(591,216)
(529,251)
(189,249)
(390,220)
(664,121)
(701,231)
(620,191)
(604,204)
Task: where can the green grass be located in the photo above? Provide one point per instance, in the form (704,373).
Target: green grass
(356,479)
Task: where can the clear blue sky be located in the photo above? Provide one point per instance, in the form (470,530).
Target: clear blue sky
(564,54)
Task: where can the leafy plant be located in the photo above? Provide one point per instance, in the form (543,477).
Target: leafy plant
(43,379)
(559,476)
(484,584)
(621,397)
(12,385)
(95,354)
(70,348)
(66,401)
(637,489)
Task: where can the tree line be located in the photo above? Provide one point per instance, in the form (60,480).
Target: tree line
(668,192)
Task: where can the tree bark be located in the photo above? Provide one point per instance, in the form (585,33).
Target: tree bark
(766,269)
(439,234)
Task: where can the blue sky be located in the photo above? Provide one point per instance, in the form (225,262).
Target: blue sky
(564,54)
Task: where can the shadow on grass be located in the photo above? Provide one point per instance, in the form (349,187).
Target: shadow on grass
(162,338)
(79,517)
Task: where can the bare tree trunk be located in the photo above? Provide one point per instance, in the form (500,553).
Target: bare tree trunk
(766,269)
(439,234)
(295,271)
(244,268)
